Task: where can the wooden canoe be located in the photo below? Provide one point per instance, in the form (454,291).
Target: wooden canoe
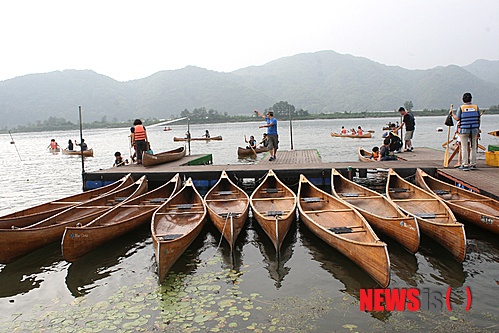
(35,214)
(364,155)
(363,136)
(79,240)
(228,208)
(87,153)
(466,205)
(494,133)
(344,228)
(216,138)
(434,218)
(165,157)
(18,242)
(175,225)
(244,152)
(274,207)
(381,213)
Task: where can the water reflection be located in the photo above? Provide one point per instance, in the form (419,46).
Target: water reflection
(83,274)
(275,264)
(27,273)
(404,264)
(231,260)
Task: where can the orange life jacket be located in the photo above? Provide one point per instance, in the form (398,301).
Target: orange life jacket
(53,145)
(344,131)
(375,155)
(360,132)
(140,133)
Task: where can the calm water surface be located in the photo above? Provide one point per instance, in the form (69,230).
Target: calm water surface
(309,288)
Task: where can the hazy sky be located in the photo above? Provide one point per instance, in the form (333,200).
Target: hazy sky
(134,39)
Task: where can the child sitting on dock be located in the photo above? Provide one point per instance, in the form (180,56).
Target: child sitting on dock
(384,152)
(119,160)
(375,153)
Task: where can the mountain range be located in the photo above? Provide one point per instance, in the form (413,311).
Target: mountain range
(320,82)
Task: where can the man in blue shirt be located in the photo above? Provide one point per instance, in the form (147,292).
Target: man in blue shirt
(272,135)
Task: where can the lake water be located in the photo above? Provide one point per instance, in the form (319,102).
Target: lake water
(309,288)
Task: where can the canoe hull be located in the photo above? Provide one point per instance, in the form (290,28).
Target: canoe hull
(228,208)
(364,155)
(274,208)
(363,136)
(86,153)
(38,213)
(381,213)
(175,225)
(19,242)
(77,241)
(361,245)
(466,205)
(213,138)
(434,218)
(244,152)
(169,156)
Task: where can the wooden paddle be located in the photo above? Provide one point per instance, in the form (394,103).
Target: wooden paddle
(446,157)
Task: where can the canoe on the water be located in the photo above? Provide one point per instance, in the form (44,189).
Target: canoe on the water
(79,240)
(363,136)
(434,217)
(345,229)
(216,138)
(364,155)
(165,157)
(88,152)
(274,207)
(228,208)
(18,242)
(381,213)
(244,152)
(175,225)
(35,214)
(466,205)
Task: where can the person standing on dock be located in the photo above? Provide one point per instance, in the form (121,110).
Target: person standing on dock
(410,126)
(469,118)
(140,139)
(272,134)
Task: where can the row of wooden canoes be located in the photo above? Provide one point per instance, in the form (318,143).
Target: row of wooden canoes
(343,219)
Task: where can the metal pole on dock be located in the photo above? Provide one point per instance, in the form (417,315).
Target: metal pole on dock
(188,136)
(81,149)
(290,126)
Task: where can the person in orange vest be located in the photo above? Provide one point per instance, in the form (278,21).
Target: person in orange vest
(360,131)
(53,145)
(140,139)
(343,130)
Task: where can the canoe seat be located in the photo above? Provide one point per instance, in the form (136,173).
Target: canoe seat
(341,230)
(169,237)
(426,215)
(399,190)
(225,215)
(274,213)
(158,200)
(185,206)
(272,190)
(312,199)
(349,194)
(441,192)
(120,199)
(224,192)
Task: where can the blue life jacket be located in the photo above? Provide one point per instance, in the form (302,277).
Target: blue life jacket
(470,116)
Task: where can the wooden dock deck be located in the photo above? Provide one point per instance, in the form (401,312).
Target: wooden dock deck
(290,164)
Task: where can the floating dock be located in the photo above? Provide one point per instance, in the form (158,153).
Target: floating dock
(290,164)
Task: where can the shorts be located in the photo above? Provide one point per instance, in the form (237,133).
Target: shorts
(273,141)
(408,135)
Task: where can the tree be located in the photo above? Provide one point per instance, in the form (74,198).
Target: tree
(408,105)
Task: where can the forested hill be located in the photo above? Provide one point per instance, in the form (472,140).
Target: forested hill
(324,81)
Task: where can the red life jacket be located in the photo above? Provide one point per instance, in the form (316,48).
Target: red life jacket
(140,133)
(53,145)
